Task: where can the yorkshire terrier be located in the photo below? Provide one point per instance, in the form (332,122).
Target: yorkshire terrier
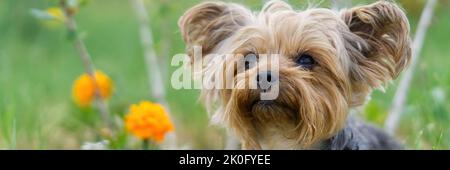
(328,63)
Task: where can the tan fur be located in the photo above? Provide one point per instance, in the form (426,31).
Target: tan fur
(356,50)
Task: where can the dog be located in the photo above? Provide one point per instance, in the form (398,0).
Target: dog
(328,64)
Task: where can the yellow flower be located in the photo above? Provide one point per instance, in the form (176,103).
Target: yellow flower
(56,13)
(83,91)
(57,17)
(148,120)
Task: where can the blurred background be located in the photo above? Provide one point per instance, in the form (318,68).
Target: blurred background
(38,66)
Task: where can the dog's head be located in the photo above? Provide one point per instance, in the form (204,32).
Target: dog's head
(326,63)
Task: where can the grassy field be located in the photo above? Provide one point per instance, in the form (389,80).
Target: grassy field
(38,66)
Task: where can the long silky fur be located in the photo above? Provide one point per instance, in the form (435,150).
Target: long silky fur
(356,50)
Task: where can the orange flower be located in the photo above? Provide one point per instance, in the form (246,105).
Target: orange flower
(148,120)
(83,91)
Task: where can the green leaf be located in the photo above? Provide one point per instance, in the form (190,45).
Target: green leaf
(83,3)
(71,35)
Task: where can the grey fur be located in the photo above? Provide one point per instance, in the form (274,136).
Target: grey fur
(358,135)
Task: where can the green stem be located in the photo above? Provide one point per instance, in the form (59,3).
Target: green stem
(145,144)
(87,62)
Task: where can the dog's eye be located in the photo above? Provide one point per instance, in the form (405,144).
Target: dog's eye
(250,60)
(306,61)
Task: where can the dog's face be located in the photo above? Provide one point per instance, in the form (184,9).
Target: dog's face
(327,63)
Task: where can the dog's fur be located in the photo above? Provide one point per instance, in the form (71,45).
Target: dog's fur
(356,50)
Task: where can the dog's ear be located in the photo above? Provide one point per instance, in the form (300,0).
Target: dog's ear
(378,43)
(209,23)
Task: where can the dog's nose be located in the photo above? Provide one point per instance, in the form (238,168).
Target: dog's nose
(266,79)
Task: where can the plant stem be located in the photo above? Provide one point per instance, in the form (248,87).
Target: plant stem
(154,74)
(401,94)
(339,4)
(145,144)
(87,61)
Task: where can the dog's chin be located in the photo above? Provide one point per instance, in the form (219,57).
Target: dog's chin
(272,109)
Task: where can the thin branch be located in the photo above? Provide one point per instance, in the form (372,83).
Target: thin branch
(339,4)
(153,70)
(87,62)
(165,50)
(401,94)
(335,5)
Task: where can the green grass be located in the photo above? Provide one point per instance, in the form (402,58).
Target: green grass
(38,66)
